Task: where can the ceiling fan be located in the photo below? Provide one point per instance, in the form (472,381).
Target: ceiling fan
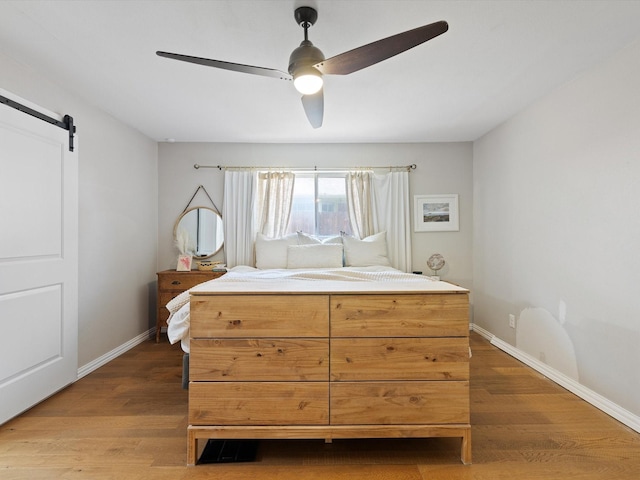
(307,63)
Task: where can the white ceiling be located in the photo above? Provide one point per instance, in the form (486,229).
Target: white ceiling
(496,58)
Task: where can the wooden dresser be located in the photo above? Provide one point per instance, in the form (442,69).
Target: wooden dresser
(170,284)
(329,366)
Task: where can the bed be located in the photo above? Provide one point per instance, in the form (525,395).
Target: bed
(327,353)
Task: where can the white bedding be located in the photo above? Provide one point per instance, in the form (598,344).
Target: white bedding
(344,278)
(343,274)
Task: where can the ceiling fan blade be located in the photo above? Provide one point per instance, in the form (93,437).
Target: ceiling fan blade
(236,67)
(314,108)
(372,53)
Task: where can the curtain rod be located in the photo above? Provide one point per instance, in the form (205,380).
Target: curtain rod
(408,168)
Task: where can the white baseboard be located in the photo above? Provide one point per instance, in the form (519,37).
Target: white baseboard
(116,352)
(484,333)
(607,406)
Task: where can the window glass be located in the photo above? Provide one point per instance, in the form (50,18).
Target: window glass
(303,210)
(320,205)
(332,214)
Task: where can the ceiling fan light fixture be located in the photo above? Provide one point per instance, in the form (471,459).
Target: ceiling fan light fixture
(307,80)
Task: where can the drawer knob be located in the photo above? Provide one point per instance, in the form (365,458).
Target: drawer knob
(175,282)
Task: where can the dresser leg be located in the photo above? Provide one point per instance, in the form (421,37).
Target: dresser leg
(192,448)
(465,454)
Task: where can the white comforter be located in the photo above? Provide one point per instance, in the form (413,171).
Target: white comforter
(178,322)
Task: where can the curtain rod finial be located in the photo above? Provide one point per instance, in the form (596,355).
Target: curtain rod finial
(196,166)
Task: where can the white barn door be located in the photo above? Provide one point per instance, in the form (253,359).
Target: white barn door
(38,260)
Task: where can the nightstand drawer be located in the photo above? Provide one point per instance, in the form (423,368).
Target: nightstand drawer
(178,282)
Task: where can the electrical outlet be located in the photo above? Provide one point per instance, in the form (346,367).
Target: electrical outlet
(512,320)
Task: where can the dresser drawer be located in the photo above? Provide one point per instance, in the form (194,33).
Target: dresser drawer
(258,403)
(428,315)
(178,282)
(399,359)
(258,316)
(399,403)
(295,359)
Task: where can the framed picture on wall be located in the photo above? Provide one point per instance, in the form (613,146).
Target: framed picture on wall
(436,213)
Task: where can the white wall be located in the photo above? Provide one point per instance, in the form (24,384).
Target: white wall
(117,218)
(442,168)
(557,229)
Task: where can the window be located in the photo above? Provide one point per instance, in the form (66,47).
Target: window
(319,205)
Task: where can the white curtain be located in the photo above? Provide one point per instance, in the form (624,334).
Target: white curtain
(361,204)
(391,192)
(238,217)
(386,208)
(275,195)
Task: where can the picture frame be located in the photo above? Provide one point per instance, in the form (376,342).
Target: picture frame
(436,213)
(184,263)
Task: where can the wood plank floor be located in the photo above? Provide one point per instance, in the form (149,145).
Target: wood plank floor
(127,420)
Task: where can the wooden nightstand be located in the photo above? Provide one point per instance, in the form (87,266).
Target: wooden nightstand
(170,284)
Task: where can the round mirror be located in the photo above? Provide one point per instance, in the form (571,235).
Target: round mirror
(203,226)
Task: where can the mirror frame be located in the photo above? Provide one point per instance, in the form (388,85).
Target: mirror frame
(183,214)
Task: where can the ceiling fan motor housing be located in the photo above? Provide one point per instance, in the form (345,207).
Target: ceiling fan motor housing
(306,55)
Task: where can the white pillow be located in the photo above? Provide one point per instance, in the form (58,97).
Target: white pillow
(337,239)
(314,256)
(272,252)
(368,252)
(305,239)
